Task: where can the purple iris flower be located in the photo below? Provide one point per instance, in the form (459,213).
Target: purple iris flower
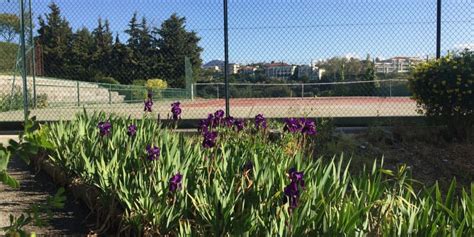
(292,195)
(218,117)
(296,177)
(132,130)
(209,139)
(309,127)
(239,124)
(176,110)
(219,114)
(153,152)
(292,191)
(260,121)
(175,182)
(292,125)
(148,105)
(104,128)
(229,121)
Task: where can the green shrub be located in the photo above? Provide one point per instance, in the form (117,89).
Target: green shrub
(444,91)
(156,84)
(14,101)
(8,56)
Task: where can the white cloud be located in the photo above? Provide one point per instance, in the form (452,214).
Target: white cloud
(464,46)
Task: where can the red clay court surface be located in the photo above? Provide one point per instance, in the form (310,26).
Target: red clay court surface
(321,101)
(245,108)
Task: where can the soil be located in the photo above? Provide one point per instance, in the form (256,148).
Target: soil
(428,157)
(34,189)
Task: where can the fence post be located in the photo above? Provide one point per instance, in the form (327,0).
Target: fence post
(110,94)
(217,91)
(78,94)
(390,88)
(438,29)
(192,91)
(32,42)
(226,59)
(23,60)
(302,90)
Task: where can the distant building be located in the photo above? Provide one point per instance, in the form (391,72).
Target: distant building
(279,70)
(311,72)
(396,65)
(218,66)
(233,68)
(247,70)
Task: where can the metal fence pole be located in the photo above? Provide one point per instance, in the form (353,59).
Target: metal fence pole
(302,90)
(226,59)
(23,60)
(110,95)
(33,70)
(438,29)
(78,94)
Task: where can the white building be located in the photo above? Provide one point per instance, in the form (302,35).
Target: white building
(396,65)
(247,70)
(311,72)
(279,70)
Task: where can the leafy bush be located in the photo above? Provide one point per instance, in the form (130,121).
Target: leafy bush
(8,58)
(444,91)
(230,182)
(9,102)
(156,84)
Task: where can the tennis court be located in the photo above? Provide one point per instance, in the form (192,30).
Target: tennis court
(244,108)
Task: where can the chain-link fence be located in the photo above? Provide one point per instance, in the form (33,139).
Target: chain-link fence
(316,58)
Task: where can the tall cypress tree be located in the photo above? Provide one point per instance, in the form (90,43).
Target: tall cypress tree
(175,43)
(121,59)
(80,55)
(133,43)
(55,36)
(103,48)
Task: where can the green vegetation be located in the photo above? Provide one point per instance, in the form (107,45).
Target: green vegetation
(8,58)
(444,91)
(243,184)
(32,142)
(150,52)
(14,101)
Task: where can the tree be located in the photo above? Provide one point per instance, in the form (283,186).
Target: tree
(9,26)
(80,55)
(121,59)
(175,43)
(55,36)
(369,75)
(133,44)
(103,44)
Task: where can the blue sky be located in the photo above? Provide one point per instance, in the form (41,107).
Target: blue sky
(296,31)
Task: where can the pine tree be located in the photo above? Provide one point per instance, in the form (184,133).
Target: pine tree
(80,55)
(175,43)
(133,43)
(121,59)
(55,36)
(102,49)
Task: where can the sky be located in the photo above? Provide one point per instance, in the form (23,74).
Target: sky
(294,31)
